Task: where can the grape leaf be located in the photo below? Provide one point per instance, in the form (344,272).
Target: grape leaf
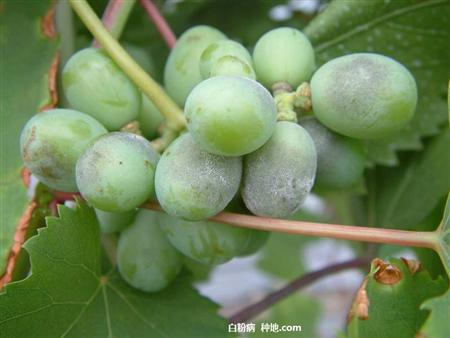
(443,232)
(404,196)
(416,33)
(393,294)
(436,325)
(27,53)
(66,283)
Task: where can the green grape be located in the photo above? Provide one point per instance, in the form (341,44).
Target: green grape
(340,160)
(95,85)
(205,241)
(230,115)
(116,173)
(283,54)
(279,175)
(231,65)
(145,258)
(364,95)
(114,221)
(216,50)
(182,71)
(141,56)
(51,143)
(257,240)
(193,184)
(149,118)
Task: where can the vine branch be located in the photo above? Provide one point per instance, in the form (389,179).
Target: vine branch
(174,117)
(254,309)
(353,233)
(159,22)
(115,17)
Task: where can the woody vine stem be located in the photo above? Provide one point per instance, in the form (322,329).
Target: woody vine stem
(176,122)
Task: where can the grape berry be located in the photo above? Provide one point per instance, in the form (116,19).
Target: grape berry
(238,153)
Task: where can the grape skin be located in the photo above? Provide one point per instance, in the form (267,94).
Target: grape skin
(223,48)
(145,258)
(205,242)
(364,95)
(193,184)
(340,160)
(283,54)
(95,85)
(116,173)
(51,143)
(230,115)
(233,66)
(279,175)
(149,118)
(114,221)
(182,71)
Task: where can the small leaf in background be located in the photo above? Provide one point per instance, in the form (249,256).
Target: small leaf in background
(27,55)
(436,325)
(415,33)
(404,196)
(66,283)
(388,305)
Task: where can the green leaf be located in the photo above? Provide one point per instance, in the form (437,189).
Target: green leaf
(443,232)
(404,196)
(436,325)
(416,33)
(66,283)
(25,62)
(394,296)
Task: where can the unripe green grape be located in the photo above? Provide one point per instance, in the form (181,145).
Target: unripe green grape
(149,118)
(216,50)
(340,159)
(114,221)
(257,240)
(182,71)
(95,85)
(231,65)
(283,54)
(280,174)
(141,56)
(116,173)
(145,258)
(51,143)
(230,115)
(364,95)
(205,241)
(193,184)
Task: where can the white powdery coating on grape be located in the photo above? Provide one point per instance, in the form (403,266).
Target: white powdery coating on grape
(194,184)
(279,175)
(116,173)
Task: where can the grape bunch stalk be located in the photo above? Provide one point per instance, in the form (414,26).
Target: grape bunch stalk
(259,132)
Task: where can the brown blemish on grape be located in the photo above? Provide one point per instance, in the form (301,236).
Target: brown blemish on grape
(26,146)
(360,306)
(386,273)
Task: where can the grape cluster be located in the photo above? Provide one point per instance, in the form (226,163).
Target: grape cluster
(240,151)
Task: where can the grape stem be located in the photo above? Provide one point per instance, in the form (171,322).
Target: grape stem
(254,309)
(353,233)
(159,22)
(169,109)
(287,100)
(115,17)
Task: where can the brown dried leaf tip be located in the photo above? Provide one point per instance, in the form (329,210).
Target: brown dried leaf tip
(412,265)
(360,306)
(386,273)
(48,22)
